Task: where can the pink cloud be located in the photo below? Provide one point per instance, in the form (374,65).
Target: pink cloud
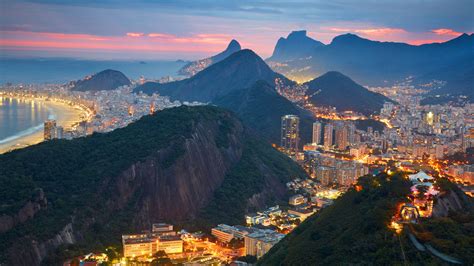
(160,35)
(135,34)
(380,31)
(368,32)
(425,41)
(449,32)
(134,42)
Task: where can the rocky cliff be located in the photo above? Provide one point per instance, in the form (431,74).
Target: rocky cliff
(28,211)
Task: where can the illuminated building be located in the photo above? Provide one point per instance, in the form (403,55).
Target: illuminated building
(409,213)
(317,132)
(328,132)
(138,245)
(261,241)
(225,233)
(330,170)
(302,214)
(170,244)
(342,136)
(429,118)
(152,108)
(49,129)
(162,238)
(297,200)
(325,175)
(290,133)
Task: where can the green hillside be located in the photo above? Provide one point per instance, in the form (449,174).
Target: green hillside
(354,231)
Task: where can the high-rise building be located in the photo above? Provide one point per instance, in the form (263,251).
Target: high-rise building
(49,129)
(342,136)
(317,132)
(328,132)
(290,133)
(352,134)
(59,132)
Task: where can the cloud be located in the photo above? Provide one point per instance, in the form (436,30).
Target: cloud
(380,31)
(140,42)
(368,31)
(449,32)
(135,34)
(160,35)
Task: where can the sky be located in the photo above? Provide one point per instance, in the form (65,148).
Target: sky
(179,29)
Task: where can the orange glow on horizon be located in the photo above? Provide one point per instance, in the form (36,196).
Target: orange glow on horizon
(153,42)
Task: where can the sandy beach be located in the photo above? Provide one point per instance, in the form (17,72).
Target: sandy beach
(66,116)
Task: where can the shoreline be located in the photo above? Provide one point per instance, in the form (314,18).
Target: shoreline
(65,115)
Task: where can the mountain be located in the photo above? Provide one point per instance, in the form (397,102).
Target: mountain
(194,67)
(457,79)
(354,230)
(296,45)
(376,63)
(238,71)
(185,164)
(105,80)
(260,107)
(337,90)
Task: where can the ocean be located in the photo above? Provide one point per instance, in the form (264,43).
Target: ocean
(40,71)
(19,118)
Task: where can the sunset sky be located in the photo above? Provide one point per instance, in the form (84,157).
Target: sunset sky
(178,29)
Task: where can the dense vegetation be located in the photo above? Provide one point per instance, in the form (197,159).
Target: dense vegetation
(354,230)
(259,164)
(453,234)
(77,177)
(351,231)
(72,173)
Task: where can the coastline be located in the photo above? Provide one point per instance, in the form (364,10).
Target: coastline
(66,116)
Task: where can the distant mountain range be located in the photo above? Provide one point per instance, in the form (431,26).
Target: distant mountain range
(371,62)
(105,80)
(194,67)
(458,78)
(244,84)
(238,71)
(196,165)
(296,45)
(337,90)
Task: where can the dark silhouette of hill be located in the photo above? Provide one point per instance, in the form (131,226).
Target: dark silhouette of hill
(374,62)
(105,80)
(238,71)
(337,90)
(296,45)
(260,107)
